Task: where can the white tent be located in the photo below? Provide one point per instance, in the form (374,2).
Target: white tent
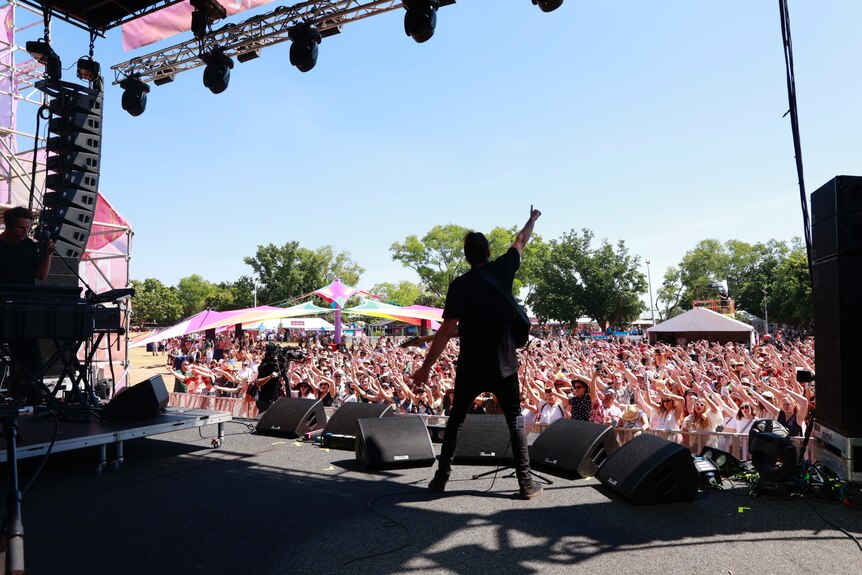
(304,323)
(701,323)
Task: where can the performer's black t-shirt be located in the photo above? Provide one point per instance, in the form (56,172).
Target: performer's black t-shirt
(484,320)
(18,262)
(269,391)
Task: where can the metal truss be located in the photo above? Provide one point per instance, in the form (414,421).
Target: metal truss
(253,34)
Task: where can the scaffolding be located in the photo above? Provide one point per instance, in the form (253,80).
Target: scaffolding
(105,263)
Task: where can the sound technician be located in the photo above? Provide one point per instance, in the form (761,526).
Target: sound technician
(487,361)
(20,260)
(21,264)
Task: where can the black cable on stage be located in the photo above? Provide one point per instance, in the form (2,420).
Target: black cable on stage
(794,127)
(841,529)
(44,457)
(387,519)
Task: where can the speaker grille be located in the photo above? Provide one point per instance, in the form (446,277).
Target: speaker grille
(484,440)
(572,448)
(343,421)
(393,442)
(292,417)
(649,470)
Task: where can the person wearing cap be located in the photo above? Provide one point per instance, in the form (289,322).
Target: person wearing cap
(550,409)
(611,412)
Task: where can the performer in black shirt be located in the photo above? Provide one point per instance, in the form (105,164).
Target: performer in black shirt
(487,361)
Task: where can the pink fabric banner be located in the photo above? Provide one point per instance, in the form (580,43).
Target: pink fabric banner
(172,20)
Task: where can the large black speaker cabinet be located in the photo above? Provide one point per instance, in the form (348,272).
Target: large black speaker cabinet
(649,470)
(837,307)
(570,448)
(343,421)
(292,417)
(394,442)
(836,218)
(138,402)
(484,440)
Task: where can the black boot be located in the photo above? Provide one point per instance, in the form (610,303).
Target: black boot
(530,490)
(438,484)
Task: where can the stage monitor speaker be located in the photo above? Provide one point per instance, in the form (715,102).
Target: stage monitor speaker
(649,470)
(343,421)
(571,448)
(292,417)
(394,442)
(837,306)
(138,402)
(484,440)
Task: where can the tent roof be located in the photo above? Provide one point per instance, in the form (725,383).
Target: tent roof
(700,319)
(413,314)
(261,313)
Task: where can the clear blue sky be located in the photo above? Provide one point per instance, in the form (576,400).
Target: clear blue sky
(656,122)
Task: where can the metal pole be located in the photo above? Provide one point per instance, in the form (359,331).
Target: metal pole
(765,313)
(255,294)
(649,280)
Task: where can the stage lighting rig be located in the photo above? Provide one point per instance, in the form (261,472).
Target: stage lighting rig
(134,95)
(88,69)
(420,18)
(217,72)
(205,14)
(548,5)
(42,52)
(304,39)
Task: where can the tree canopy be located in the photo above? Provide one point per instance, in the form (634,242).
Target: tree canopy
(603,283)
(155,303)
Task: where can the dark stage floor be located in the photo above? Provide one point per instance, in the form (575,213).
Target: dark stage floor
(264,505)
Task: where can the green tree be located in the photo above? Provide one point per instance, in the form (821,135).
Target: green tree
(155,303)
(221,298)
(708,262)
(194,291)
(403,293)
(243,292)
(670,296)
(438,257)
(578,279)
(790,300)
(288,271)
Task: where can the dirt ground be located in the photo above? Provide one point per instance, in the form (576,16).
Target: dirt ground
(144,365)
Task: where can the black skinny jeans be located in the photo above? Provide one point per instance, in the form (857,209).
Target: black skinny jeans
(508,395)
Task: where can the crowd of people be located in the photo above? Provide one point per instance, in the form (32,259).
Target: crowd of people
(697,387)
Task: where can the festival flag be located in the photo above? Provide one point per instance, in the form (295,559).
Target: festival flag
(172,20)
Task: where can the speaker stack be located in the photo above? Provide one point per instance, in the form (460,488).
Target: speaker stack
(836,237)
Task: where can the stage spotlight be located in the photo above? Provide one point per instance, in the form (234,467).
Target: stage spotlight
(45,55)
(420,18)
(303,48)
(134,95)
(205,13)
(244,57)
(548,5)
(88,69)
(217,72)
(164,77)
